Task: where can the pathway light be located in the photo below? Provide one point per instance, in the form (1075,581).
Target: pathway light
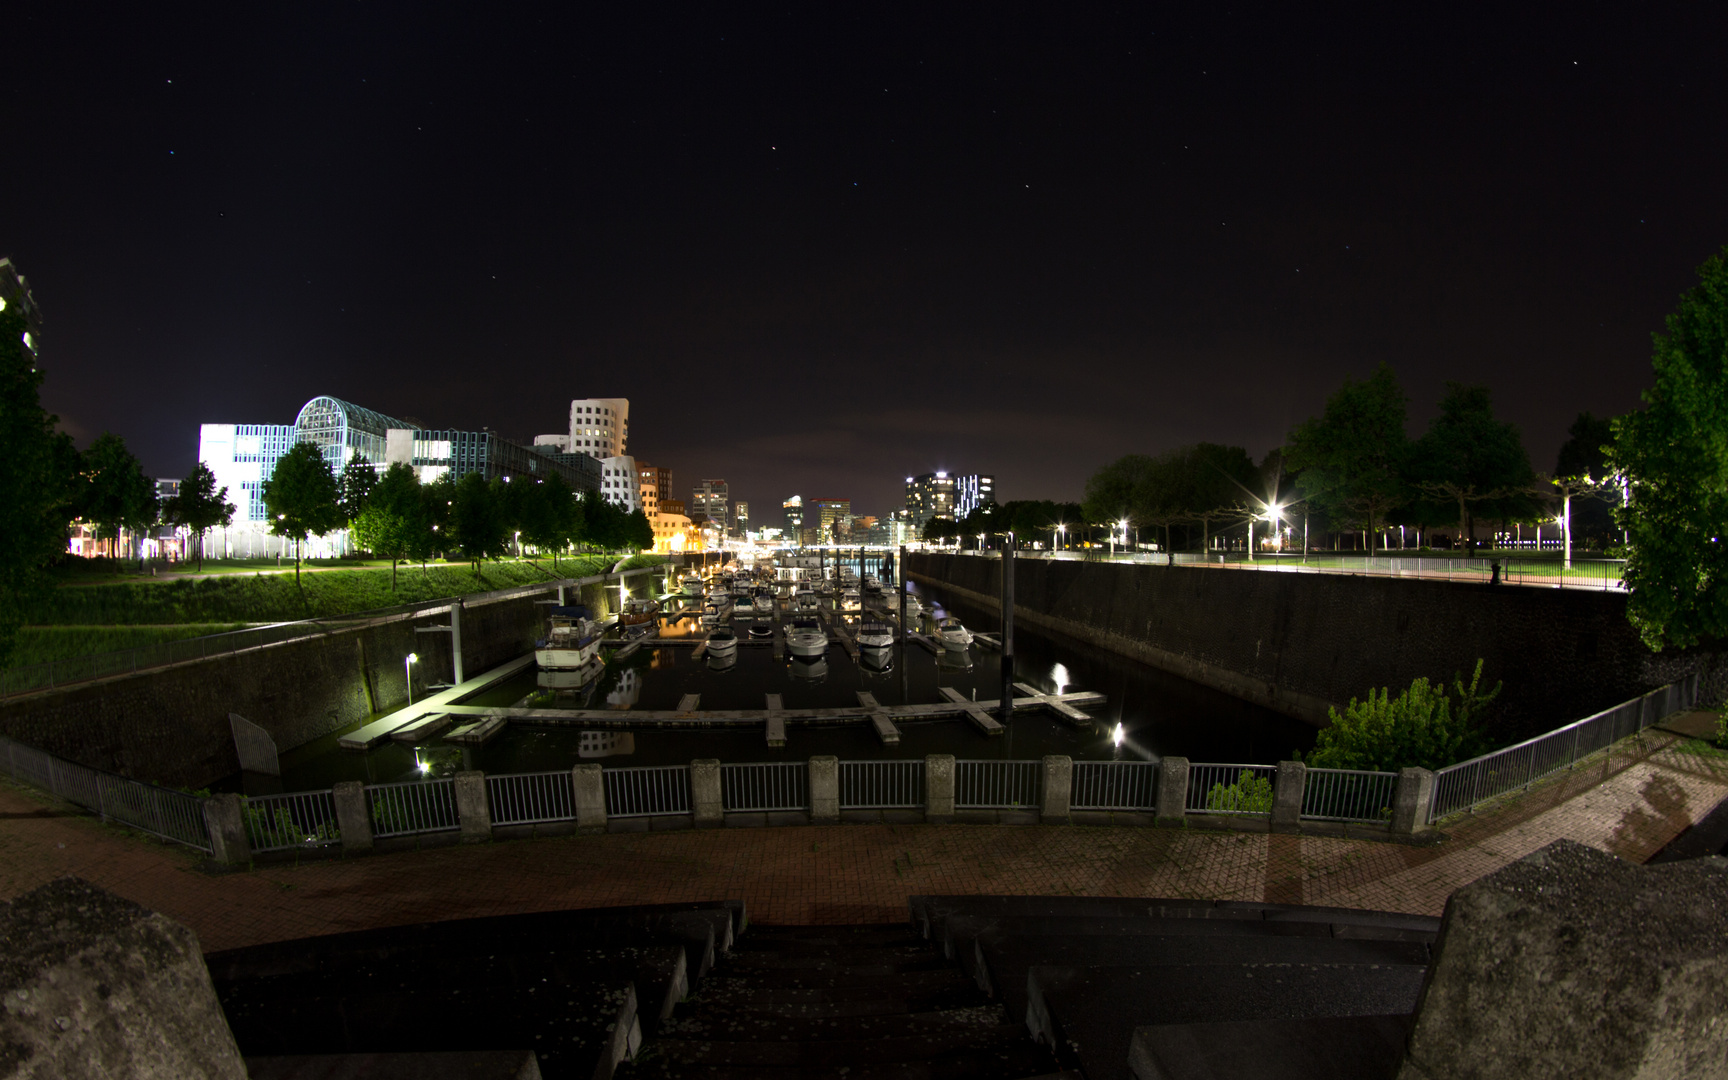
(408,663)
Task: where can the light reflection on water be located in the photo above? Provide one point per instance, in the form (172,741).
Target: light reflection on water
(1156,713)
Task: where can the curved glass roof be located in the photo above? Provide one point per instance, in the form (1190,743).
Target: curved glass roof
(327,413)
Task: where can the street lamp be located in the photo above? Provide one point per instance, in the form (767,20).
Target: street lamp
(408,663)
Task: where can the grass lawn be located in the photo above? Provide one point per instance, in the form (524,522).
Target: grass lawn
(88,600)
(44,644)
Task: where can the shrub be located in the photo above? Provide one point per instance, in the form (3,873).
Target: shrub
(1250,794)
(1420,727)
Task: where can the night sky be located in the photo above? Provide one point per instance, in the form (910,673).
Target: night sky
(820,251)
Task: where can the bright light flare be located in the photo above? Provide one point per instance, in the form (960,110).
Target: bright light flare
(1118,736)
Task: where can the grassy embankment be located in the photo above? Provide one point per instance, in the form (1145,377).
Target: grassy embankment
(91,613)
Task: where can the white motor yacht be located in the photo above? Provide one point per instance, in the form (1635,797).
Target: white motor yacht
(805,600)
(849,599)
(571,642)
(722,642)
(806,637)
(875,635)
(952,634)
(763,602)
(691,583)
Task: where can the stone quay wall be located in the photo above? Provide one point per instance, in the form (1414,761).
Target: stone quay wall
(170,725)
(1302,643)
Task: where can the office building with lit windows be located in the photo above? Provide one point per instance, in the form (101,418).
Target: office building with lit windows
(599,428)
(15,291)
(710,500)
(939,495)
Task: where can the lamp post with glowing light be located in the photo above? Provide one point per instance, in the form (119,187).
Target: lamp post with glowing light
(408,663)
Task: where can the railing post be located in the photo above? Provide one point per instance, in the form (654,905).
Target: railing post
(939,788)
(473,810)
(824,790)
(590,790)
(1287,796)
(1173,792)
(351,816)
(1058,789)
(705,805)
(227,827)
(1412,801)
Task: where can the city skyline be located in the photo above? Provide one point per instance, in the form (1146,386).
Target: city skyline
(1028,243)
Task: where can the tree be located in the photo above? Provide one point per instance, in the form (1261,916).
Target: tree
(36,485)
(1582,470)
(301,498)
(359,478)
(1469,458)
(393,518)
(199,506)
(117,495)
(549,515)
(639,531)
(1353,455)
(1674,457)
(477,519)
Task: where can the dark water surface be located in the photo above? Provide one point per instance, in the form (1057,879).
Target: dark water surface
(1159,713)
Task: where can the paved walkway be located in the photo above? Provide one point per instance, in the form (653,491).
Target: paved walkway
(1631,803)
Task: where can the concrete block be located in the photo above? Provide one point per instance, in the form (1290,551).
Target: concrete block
(705,805)
(1173,792)
(824,790)
(590,788)
(1058,789)
(227,826)
(939,788)
(1571,962)
(93,985)
(1287,796)
(473,809)
(1412,800)
(353,816)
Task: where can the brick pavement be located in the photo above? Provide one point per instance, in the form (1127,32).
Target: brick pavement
(1630,802)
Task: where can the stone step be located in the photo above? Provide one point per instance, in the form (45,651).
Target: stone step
(852,961)
(866,935)
(878,1050)
(1023,1061)
(1089,1014)
(1364,1047)
(696,1021)
(814,1003)
(937,977)
(1000,965)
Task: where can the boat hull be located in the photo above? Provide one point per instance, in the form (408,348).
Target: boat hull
(807,645)
(552,658)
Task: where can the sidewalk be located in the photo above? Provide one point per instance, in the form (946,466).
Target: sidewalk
(1631,803)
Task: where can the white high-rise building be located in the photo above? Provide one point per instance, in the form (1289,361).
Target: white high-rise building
(599,427)
(619,482)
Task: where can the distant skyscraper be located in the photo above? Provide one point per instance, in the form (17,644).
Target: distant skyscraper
(794,511)
(929,496)
(661,479)
(832,512)
(741,514)
(971,492)
(709,500)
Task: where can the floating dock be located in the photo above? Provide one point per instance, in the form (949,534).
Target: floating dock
(383,728)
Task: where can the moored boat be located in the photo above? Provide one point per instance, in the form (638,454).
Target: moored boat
(806,637)
(952,633)
(571,641)
(722,642)
(875,635)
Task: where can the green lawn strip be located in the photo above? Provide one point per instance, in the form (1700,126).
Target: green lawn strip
(45,644)
(259,597)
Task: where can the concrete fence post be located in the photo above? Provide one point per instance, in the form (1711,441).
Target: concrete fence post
(1411,803)
(939,788)
(824,790)
(1173,792)
(473,809)
(590,789)
(1058,789)
(1287,796)
(705,805)
(352,817)
(226,823)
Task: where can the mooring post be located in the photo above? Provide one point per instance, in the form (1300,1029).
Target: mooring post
(456,640)
(1007,628)
(900,570)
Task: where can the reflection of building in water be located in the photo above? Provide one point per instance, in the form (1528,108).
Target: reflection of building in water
(596,744)
(627,692)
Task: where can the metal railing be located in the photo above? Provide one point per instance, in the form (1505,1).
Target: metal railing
(1231,789)
(1349,795)
(171,815)
(531,798)
(412,807)
(1468,784)
(1114,785)
(881,785)
(1548,573)
(998,785)
(78,669)
(647,790)
(296,819)
(765,785)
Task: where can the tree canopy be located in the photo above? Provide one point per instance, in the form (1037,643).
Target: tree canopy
(359,478)
(1202,484)
(1674,454)
(116,494)
(301,497)
(35,485)
(199,506)
(1470,461)
(1353,456)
